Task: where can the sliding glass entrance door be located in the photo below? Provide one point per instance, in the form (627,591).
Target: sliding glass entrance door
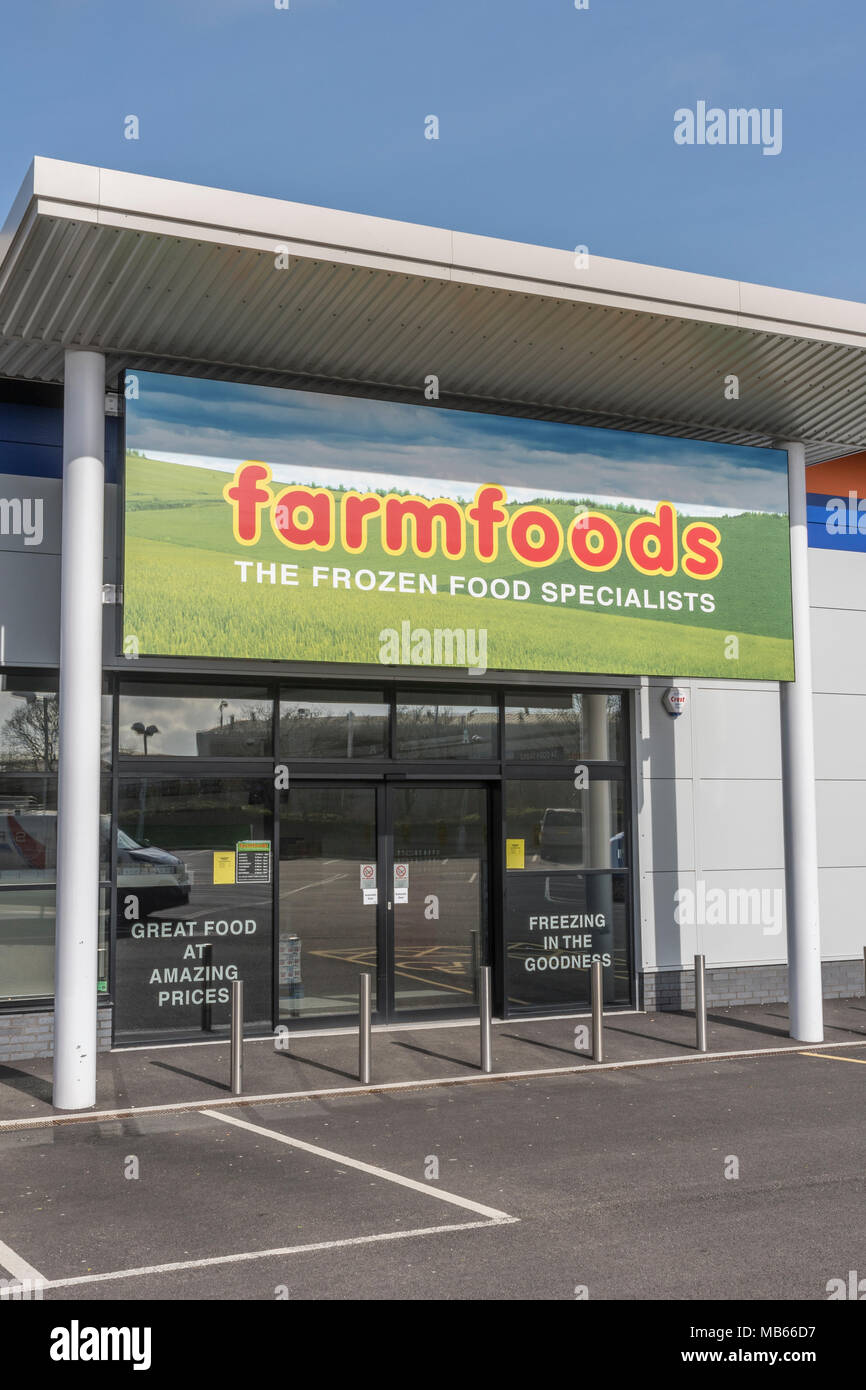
(327,899)
(392,880)
(439,893)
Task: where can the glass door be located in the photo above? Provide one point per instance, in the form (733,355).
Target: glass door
(328,899)
(392,880)
(437,896)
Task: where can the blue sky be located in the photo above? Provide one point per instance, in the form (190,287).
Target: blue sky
(556,125)
(350,442)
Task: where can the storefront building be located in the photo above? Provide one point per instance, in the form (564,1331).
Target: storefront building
(418,602)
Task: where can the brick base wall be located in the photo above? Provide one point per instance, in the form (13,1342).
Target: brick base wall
(27,1035)
(742,984)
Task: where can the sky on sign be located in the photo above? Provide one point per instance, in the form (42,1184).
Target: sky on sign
(346,441)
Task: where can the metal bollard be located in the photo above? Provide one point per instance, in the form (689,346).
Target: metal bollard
(237,1050)
(597,992)
(486,1025)
(700,1003)
(365,1027)
(207,962)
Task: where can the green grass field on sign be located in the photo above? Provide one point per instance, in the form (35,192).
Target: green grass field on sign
(183,595)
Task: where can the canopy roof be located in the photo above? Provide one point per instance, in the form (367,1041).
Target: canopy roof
(167,276)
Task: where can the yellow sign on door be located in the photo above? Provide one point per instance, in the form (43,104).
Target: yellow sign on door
(223,866)
(514,854)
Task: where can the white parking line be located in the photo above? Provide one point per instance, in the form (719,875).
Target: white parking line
(18,1268)
(319,883)
(491,1216)
(245,1255)
(466,1203)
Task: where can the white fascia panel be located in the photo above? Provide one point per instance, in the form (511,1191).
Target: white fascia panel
(323,230)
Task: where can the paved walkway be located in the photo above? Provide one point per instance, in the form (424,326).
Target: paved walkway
(198,1074)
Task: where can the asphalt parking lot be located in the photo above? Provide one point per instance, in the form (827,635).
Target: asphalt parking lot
(738,1178)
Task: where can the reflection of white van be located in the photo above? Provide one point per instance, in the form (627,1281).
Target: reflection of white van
(561,837)
(28,842)
(28,854)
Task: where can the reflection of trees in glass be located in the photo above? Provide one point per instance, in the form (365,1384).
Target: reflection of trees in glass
(219,734)
(31,733)
(245,735)
(184,814)
(332,731)
(582,724)
(434,730)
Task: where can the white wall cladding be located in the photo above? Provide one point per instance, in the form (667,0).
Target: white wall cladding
(722,760)
(838,593)
(709,792)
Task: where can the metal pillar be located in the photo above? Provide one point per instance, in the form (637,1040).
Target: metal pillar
(806,1007)
(77,935)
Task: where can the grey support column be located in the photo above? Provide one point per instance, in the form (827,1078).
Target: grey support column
(805,992)
(75,969)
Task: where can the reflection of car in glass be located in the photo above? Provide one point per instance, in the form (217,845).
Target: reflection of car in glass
(158,879)
(560,887)
(28,853)
(561,835)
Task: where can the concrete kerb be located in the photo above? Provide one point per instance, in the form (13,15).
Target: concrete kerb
(390,1087)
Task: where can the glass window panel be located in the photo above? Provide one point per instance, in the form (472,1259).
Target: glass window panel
(27,925)
(219,721)
(555,924)
(327,930)
(541,727)
(333,724)
(561,827)
(443,724)
(194,904)
(29,723)
(106,741)
(28,830)
(440,847)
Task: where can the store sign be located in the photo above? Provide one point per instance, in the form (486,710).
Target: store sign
(289,525)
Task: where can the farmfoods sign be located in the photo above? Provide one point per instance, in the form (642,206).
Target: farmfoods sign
(299,526)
